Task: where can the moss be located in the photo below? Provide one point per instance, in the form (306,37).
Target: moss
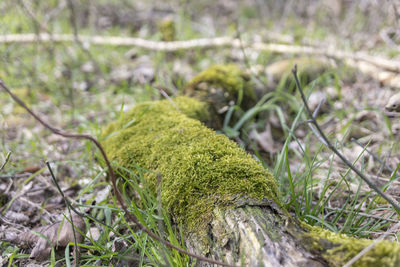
(221,84)
(200,169)
(338,249)
(167,30)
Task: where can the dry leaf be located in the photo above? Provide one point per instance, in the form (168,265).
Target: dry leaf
(396,128)
(367,115)
(59,234)
(16,217)
(393,103)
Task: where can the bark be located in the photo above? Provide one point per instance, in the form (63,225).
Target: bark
(256,235)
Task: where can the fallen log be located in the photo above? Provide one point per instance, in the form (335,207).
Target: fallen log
(226,202)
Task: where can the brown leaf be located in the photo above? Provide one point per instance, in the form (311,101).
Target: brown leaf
(31,169)
(367,115)
(393,103)
(59,234)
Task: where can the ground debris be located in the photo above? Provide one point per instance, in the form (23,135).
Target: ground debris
(58,234)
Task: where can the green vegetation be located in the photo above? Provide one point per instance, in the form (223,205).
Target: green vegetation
(81,90)
(221,84)
(200,169)
(344,248)
(168,30)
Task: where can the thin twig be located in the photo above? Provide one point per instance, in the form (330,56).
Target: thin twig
(245,57)
(40,208)
(76,263)
(71,7)
(331,147)
(34,17)
(113,179)
(68,202)
(363,214)
(16,176)
(372,245)
(6,160)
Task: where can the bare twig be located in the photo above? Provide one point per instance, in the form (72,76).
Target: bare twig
(5,161)
(16,176)
(33,16)
(113,177)
(245,57)
(69,204)
(331,147)
(45,29)
(383,63)
(71,7)
(24,189)
(40,208)
(165,94)
(76,253)
(366,215)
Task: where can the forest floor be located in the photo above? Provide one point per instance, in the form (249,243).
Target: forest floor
(81,87)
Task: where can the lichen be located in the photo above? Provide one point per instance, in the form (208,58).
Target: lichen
(338,249)
(220,84)
(200,169)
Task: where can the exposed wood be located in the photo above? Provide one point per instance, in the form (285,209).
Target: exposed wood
(256,235)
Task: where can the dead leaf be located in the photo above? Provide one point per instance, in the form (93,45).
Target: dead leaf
(393,103)
(59,234)
(367,115)
(396,128)
(31,169)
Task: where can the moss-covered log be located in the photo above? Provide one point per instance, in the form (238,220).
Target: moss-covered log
(226,201)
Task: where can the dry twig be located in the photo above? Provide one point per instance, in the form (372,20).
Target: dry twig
(5,161)
(372,245)
(76,250)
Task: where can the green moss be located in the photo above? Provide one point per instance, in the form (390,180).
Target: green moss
(167,30)
(200,169)
(338,249)
(221,84)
